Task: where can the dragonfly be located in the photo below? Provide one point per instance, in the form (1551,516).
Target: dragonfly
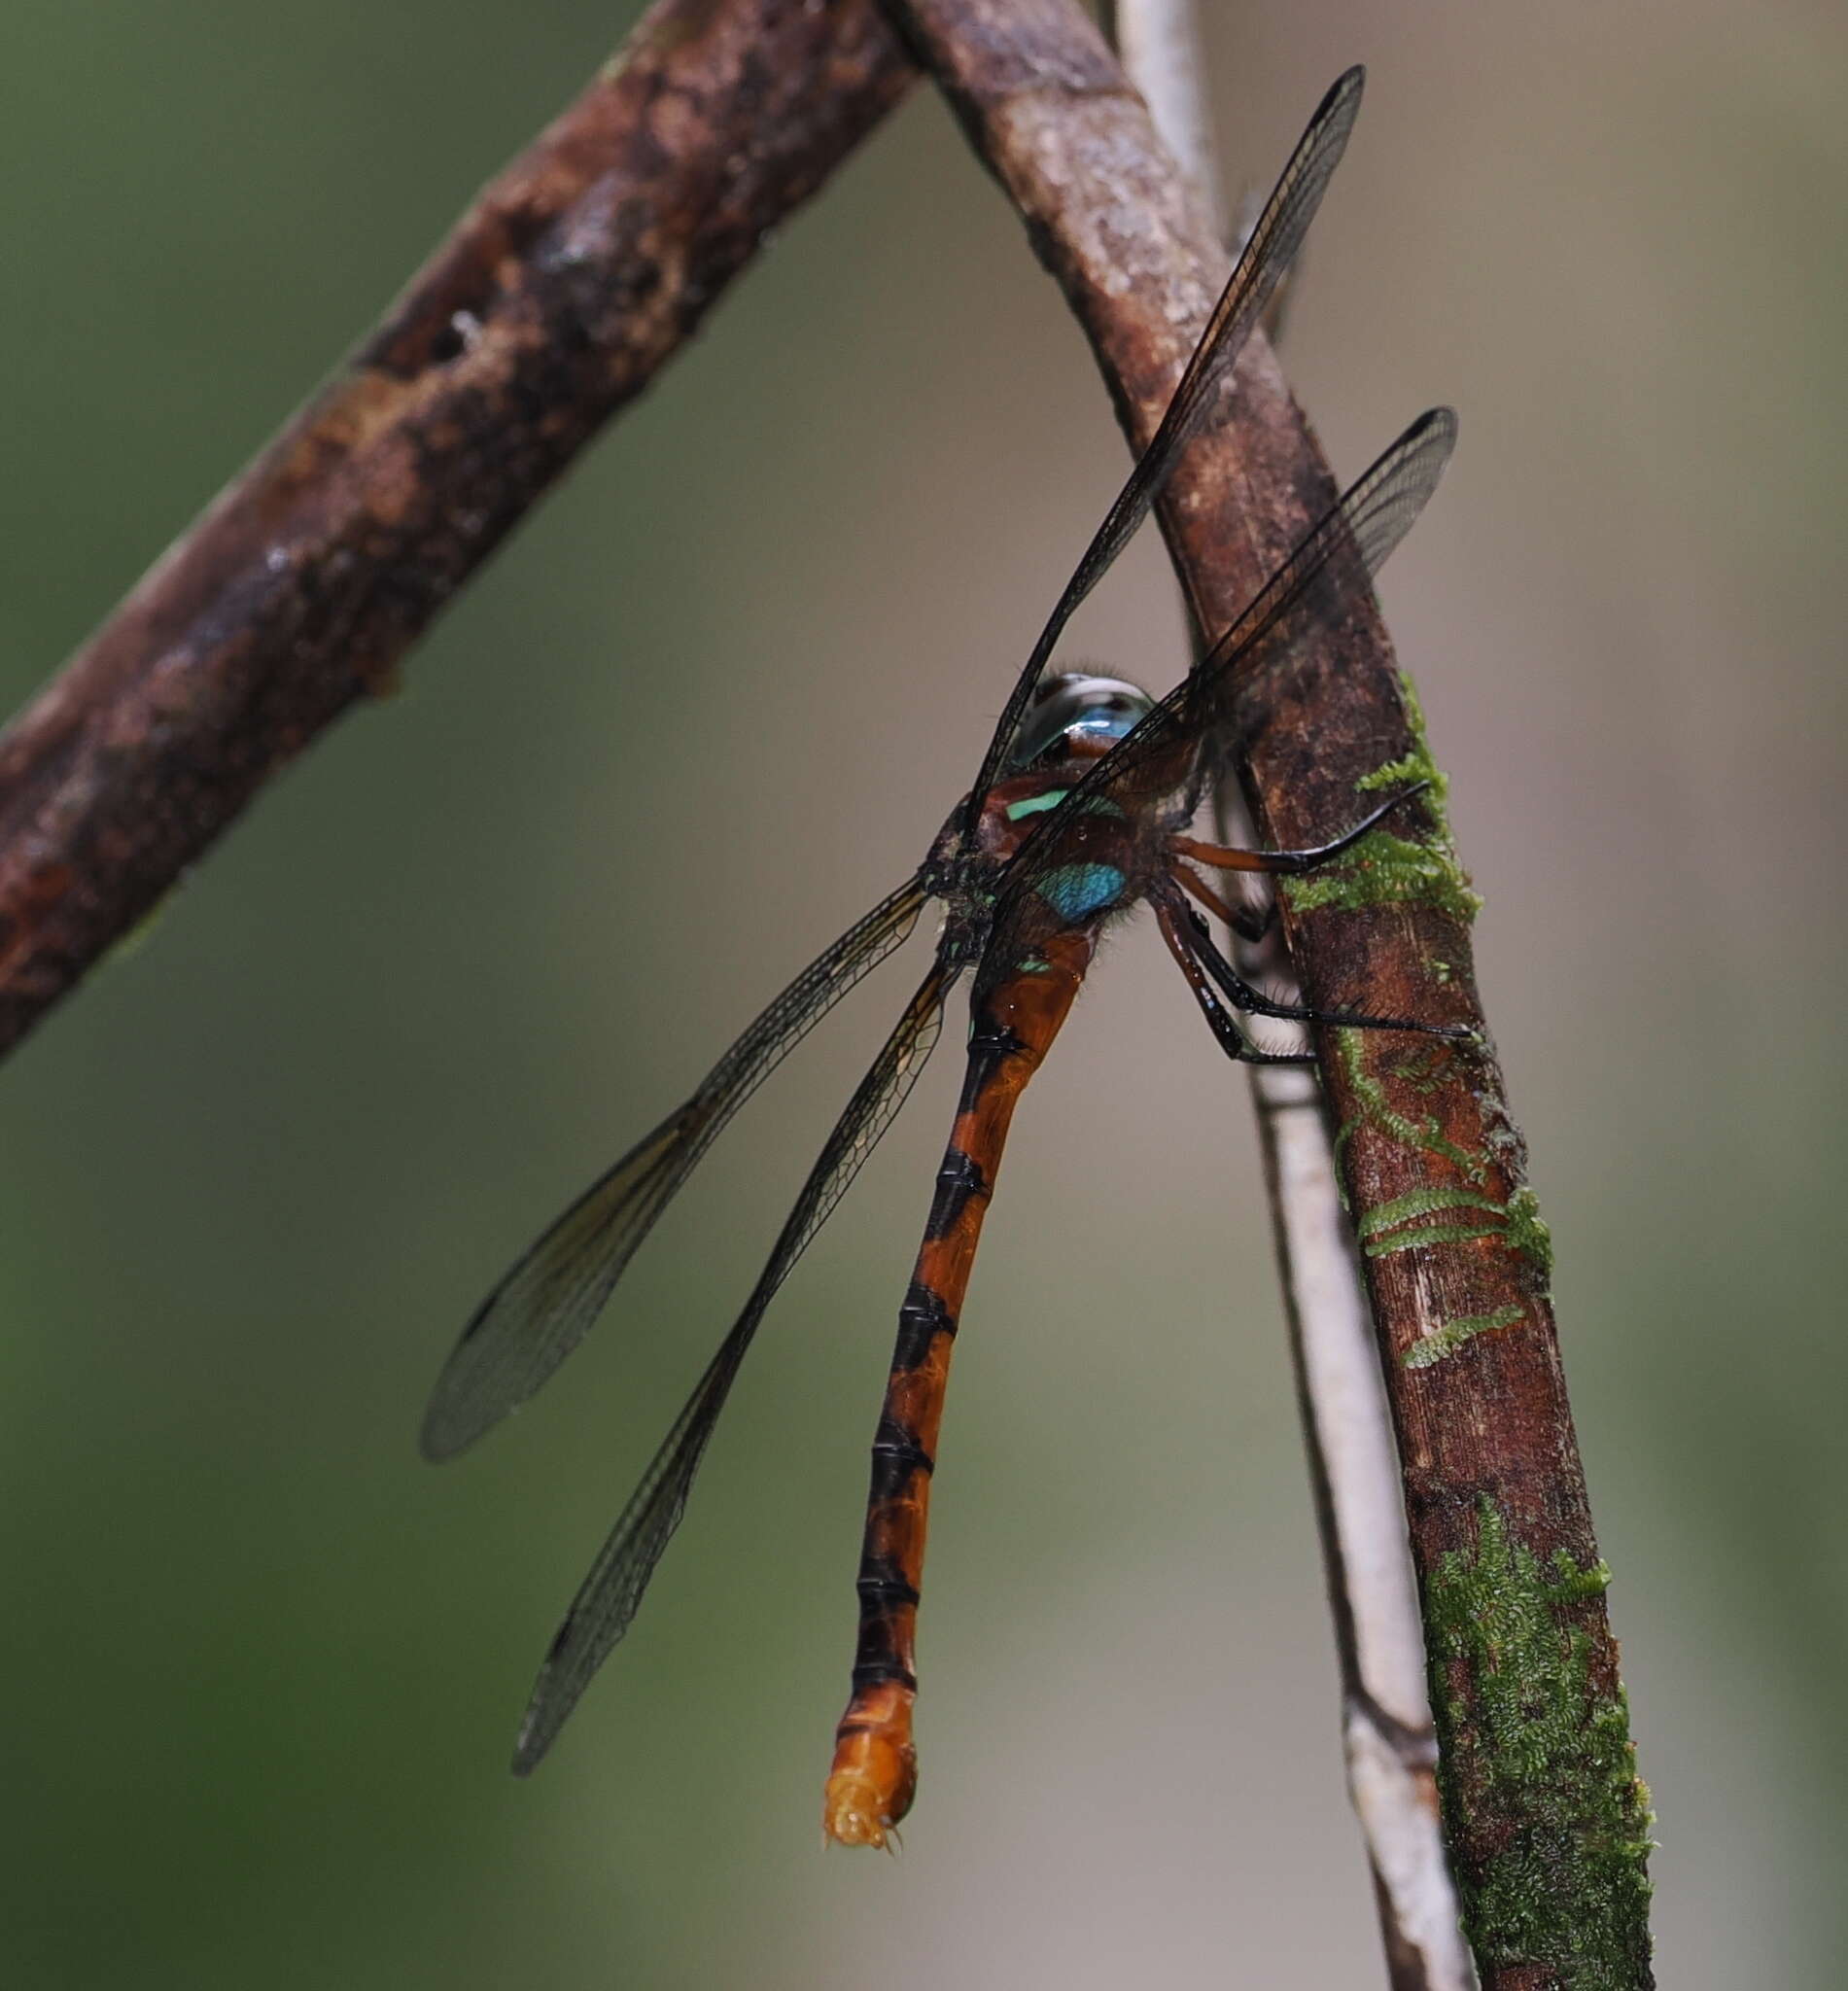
(1078,813)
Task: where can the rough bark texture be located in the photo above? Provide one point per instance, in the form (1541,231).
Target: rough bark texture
(575,274)
(1546,1823)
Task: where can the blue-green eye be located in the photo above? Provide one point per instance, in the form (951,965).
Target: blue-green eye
(1072,704)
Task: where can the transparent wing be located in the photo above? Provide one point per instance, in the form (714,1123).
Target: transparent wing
(606,1602)
(1324,578)
(1268,252)
(544,1305)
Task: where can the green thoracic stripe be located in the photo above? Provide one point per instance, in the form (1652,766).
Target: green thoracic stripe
(1037,805)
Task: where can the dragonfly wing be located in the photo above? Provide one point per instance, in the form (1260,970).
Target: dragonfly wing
(607,1600)
(546,1304)
(1268,252)
(1322,582)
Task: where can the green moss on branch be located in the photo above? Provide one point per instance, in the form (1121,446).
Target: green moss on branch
(1526,1735)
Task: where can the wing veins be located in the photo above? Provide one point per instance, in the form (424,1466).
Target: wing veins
(1268,252)
(549,1299)
(607,1600)
(1367,522)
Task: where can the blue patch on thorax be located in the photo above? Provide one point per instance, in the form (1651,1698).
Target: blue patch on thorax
(1075,892)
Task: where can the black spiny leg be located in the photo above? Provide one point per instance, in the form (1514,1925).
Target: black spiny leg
(1242,996)
(1222,857)
(1180,927)
(1253,922)
(1250,922)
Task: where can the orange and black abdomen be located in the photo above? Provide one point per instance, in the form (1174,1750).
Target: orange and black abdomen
(875,1771)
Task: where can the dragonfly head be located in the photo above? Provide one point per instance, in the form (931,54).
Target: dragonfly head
(1071,711)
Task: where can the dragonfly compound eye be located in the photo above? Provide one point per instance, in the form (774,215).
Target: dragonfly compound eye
(1072,702)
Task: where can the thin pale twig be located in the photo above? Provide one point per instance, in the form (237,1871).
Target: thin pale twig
(1158,43)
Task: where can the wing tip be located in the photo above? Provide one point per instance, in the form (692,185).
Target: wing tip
(1441,424)
(1340,105)
(439,1440)
(452,1423)
(540,1723)
(472,1396)
(1432,436)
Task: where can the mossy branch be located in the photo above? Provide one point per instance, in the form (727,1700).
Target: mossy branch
(1388,1735)
(1490,1464)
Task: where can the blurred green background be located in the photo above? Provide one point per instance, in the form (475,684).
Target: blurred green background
(262,1667)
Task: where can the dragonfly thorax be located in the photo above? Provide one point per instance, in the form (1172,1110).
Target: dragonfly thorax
(1072,721)
(1071,711)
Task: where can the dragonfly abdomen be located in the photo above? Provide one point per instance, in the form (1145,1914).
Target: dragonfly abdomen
(875,1763)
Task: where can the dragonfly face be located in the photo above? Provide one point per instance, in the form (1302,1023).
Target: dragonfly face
(1072,722)
(1069,706)
(1076,815)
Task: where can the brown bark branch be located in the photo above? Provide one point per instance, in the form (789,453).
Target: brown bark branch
(1390,1743)
(1544,1821)
(575,276)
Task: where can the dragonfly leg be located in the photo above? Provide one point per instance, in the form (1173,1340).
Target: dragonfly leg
(874,1773)
(1249,923)
(1223,857)
(1242,996)
(1181,929)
